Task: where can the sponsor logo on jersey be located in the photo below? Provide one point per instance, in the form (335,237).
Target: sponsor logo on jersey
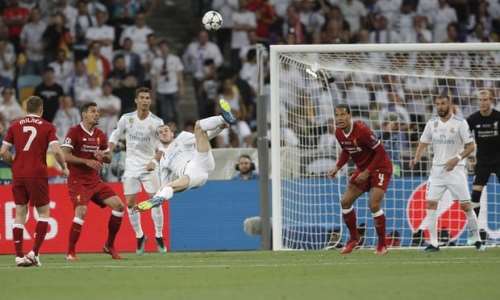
(451,216)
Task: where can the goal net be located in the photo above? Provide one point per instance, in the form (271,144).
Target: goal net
(391,88)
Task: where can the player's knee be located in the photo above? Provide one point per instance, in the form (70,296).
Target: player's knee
(374,207)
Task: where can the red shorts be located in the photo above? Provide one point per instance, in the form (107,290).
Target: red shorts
(377,178)
(81,194)
(31,190)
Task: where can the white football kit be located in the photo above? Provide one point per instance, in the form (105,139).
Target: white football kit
(181,158)
(141,143)
(447,140)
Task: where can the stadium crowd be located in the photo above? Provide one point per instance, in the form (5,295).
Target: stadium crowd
(73,52)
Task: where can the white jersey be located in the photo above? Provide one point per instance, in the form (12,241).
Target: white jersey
(141,141)
(447,138)
(176,156)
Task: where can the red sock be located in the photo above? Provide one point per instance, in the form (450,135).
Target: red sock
(350,221)
(74,235)
(380,228)
(17,232)
(40,232)
(113,227)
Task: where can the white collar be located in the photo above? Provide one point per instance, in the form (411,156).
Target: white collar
(84,129)
(32,115)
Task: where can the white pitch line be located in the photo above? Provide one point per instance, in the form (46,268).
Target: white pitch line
(262,265)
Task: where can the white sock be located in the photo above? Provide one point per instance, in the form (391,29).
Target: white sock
(432,226)
(157,215)
(166,193)
(135,221)
(472,225)
(211,123)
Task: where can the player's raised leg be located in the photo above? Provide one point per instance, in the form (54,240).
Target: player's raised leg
(349,214)
(114,224)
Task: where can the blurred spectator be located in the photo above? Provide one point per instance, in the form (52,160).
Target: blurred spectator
(109,108)
(167,82)
(478,35)
(125,11)
(245,168)
(354,11)
(63,67)
(226,9)
(381,33)
(138,33)
(395,109)
(419,33)
(328,140)
(356,95)
(97,64)
(9,106)
(56,36)
(14,17)
(132,59)
(404,25)
(91,93)
(197,53)
(84,20)
(390,9)
(427,8)
(32,44)
(77,82)
(69,11)
(249,72)
(252,44)
(441,18)
(124,84)
(148,57)
(50,92)
(311,16)
(102,33)
(452,33)
(209,91)
(7,62)
(66,116)
(244,21)
(266,16)
(293,26)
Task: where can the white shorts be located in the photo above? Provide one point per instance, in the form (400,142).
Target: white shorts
(150,181)
(454,181)
(198,169)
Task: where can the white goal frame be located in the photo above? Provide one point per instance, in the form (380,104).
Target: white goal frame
(276,50)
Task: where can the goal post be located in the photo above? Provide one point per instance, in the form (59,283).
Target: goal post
(390,87)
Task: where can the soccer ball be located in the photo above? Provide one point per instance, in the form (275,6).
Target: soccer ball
(212,20)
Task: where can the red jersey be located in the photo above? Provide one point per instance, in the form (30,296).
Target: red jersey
(361,144)
(30,136)
(12,14)
(84,144)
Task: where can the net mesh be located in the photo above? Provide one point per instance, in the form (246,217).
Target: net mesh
(393,93)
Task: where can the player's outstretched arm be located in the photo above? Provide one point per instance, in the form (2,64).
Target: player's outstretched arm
(59,155)
(418,154)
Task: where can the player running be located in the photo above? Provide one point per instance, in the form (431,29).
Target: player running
(31,136)
(139,130)
(485,125)
(373,173)
(188,160)
(451,143)
(85,150)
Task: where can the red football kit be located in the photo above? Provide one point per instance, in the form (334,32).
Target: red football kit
(367,152)
(84,183)
(30,136)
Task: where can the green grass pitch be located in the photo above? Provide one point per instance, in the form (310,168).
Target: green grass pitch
(402,274)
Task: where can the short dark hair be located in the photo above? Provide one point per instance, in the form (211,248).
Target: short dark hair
(245,156)
(443,95)
(86,106)
(142,89)
(344,106)
(34,104)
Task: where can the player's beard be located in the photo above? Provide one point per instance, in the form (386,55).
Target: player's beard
(444,113)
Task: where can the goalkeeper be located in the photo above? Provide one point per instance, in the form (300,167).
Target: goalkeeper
(485,126)
(187,160)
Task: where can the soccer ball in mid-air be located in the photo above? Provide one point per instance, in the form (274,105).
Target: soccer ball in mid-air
(212,20)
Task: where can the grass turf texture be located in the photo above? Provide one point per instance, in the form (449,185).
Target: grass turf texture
(405,274)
